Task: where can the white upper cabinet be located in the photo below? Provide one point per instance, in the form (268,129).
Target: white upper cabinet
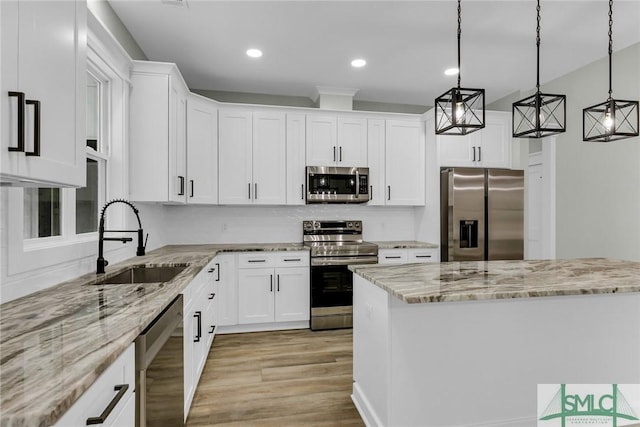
(336,141)
(487,148)
(252,157)
(396,162)
(42,80)
(296,174)
(158,133)
(202,150)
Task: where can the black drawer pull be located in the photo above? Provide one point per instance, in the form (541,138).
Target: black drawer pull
(21,100)
(292,260)
(423,256)
(213,328)
(392,257)
(36,128)
(211,296)
(218,268)
(198,315)
(257,260)
(122,390)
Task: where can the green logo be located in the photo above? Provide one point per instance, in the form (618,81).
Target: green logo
(587,407)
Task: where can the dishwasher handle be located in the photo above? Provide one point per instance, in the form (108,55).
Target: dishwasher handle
(153,337)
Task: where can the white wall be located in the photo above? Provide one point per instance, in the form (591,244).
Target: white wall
(260,224)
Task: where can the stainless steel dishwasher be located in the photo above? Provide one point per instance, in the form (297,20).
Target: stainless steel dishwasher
(160,370)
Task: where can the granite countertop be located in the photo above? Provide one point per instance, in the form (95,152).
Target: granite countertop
(56,342)
(405,244)
(484,280)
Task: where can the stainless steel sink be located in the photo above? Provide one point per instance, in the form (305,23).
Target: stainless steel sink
(143,274)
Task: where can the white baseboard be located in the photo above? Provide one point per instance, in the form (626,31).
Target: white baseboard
(364,408)
(262,327)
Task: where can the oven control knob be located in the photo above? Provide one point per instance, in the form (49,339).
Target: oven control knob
(349,225)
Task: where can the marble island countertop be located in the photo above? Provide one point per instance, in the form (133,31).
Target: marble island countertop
(484,280)
(56,342)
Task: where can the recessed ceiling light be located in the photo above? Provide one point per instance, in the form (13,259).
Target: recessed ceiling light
(358,63)
(254,53)
(451,71)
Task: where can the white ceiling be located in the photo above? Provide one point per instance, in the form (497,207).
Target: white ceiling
(407,44)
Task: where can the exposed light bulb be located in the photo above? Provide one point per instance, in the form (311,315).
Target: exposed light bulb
(608,121)
(459,112)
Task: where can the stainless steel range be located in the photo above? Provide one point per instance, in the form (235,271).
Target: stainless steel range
(334,245)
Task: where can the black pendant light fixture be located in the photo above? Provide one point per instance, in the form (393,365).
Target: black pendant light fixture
(613,119)
(541,114)
(459,111)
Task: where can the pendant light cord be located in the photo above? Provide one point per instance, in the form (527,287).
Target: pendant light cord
(459,32)
(610,43)
(538,48)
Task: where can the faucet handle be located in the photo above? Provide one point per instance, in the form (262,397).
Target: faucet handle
(141,247)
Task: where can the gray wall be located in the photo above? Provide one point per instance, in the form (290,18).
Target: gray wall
(597,184)
(102,10)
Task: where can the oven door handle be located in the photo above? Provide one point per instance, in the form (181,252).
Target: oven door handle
(343,260)
(357,184)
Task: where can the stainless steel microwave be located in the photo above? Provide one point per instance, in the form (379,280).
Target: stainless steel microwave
(328,184)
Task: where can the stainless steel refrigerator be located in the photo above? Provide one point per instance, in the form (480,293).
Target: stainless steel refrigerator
(482,214)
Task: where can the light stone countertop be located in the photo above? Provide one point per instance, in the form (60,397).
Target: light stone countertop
(484,280)
(56,342)
(405,244)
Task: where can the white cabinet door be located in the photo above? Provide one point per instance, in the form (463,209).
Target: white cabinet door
(202,150)
(352,142)
(50,70)
(269,159)
(455,150)
(495,151)
(234,150)
(226,300)
(296,173)
(322,140)
(255,295)
(405,163)
(177,141)
(376,156)
(292,294)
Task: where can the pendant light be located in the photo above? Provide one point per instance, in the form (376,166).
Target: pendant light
(613,119)
(459,111)
(542,114)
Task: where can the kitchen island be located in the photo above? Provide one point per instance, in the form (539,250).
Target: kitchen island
(466,343)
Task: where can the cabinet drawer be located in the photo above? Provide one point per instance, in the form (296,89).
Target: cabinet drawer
(292,259)
(422,255)
(255,260)
(101,393)
(392,256)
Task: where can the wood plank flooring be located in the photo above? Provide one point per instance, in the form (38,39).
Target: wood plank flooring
(282,378)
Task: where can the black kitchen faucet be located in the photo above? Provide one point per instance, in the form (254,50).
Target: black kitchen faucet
(101,262)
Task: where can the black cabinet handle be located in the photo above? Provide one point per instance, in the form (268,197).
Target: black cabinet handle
(389,189)
(213,328)
(334,153)
(301,191)
(278,280)
(255,191)
(392,257)
(218,268)
(474,154)
(271,283)
(211,296)
(211,270)
(181,179)
(257,260)
(249,186)
(36,128)
(479,154)
(423,256)
(198,315)
(340,153)
(191,181)
(21,102)
(291,259)
(371,192)
(122,390)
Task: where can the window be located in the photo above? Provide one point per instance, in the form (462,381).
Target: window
(47,209)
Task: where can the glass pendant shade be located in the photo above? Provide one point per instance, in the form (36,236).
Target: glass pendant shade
(609,121)
(460,111)
(539,115)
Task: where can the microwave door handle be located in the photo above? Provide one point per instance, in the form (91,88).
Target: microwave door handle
(357,184)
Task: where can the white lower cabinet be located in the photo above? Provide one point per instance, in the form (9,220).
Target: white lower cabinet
(407,255)
(273,287)
(114,386)
(226,300)
(197,328)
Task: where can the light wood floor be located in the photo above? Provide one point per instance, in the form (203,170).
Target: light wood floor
(283,378)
